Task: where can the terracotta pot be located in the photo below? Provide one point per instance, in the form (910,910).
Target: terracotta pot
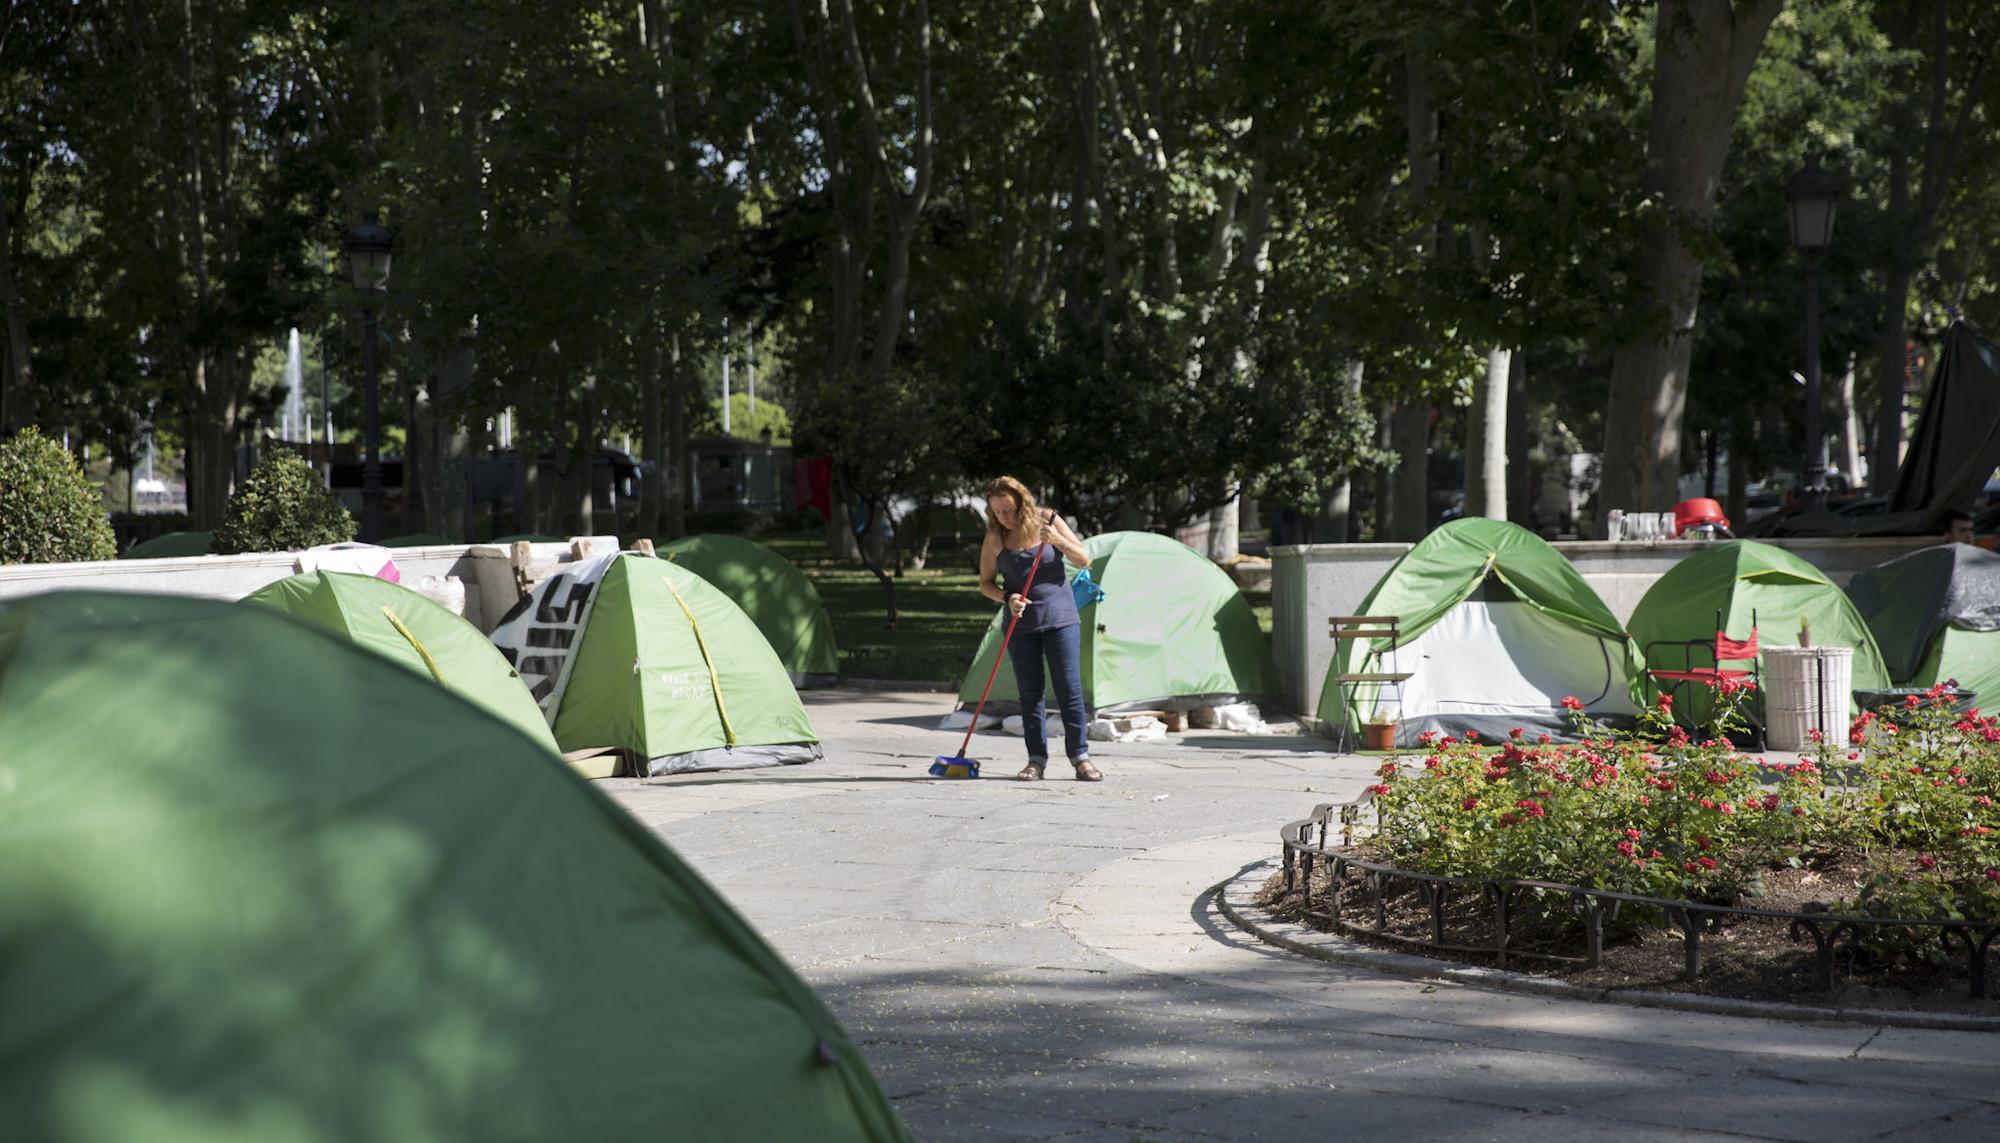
(1378,736)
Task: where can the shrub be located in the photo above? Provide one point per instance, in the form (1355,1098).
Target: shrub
(49,511)
(1662,814)
(284,505)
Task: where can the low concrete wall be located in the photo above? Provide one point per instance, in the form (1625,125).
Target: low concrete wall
(485,569)
(1309,582)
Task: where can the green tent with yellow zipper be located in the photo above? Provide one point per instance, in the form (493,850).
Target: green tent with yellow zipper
(1751,586)
(254,886)
(1172,632)
(646,662)
(775,595)
(409,628)
(1495,630)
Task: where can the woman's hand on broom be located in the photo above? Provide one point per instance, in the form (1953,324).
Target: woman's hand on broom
(1017,603)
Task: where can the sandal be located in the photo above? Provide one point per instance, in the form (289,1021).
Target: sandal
(1032,772)
(1085,772)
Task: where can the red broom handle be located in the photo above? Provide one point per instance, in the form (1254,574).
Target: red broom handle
(1004,640)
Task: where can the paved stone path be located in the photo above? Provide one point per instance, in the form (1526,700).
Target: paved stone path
(1039,961)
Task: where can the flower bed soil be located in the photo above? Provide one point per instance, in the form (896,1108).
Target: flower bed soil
(1746,958)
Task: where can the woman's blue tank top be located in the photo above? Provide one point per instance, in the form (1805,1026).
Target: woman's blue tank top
(1054,604)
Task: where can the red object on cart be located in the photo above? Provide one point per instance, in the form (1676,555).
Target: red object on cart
(1700,510)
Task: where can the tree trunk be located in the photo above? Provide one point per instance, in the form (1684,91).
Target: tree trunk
(1385,480)
(1225,530)
(652,438)
(1850,429)
(1915,225)
(1410,428)
(1334,523)
(871,555)
(1520,474)
(580,487)
(677,469)
(1737,505)
(1486,440)
(211,445)
(1411,432)
(17,376)
(1705,52)
(419,472)
(840,543)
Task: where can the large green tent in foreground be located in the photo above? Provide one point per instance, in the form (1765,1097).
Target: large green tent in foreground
(1936,615)
(1740,578)
(1171,632)
(232,909)
(397,623)
(776,596)
(1496,628)
(646,658)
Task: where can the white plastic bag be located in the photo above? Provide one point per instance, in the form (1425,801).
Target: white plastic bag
(1133,728)
(1242,717)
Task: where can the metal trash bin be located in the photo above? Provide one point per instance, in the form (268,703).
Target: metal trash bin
(1806,689)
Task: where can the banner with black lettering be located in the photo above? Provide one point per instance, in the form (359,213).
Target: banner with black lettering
(539,636)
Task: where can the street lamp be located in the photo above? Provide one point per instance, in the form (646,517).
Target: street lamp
(1812,197)
(369,248)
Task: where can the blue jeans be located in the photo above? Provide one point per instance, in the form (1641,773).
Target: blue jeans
(1063,647)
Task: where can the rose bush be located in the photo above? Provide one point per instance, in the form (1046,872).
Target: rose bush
(1922,810)
(1660,812)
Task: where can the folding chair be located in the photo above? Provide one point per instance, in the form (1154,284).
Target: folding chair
(1720,649)
(1343,627)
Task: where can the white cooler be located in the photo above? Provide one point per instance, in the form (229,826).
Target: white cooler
(1806,688)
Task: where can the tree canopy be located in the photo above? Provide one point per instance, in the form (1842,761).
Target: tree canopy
(1152,256)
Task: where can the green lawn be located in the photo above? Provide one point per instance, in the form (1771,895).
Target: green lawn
(940,615)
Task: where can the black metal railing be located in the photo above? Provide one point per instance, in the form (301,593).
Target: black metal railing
(1309,843)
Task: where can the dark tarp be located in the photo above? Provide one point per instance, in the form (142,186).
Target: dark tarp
(1908,600)
(1957,443)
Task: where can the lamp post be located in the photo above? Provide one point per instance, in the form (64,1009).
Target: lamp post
(369,247)
(1811,199)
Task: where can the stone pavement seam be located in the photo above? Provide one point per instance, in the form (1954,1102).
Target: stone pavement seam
(1237,899)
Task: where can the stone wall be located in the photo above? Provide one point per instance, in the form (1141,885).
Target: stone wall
(485,569)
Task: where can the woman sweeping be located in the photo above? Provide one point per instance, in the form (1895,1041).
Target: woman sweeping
(1023,537)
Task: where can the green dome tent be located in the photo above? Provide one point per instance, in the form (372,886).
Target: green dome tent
(776,596)
(1740,577)
(1171,632)
(170,545)
(643,657)
(1936,615)
(1496,629)
(400,624)
(232,911)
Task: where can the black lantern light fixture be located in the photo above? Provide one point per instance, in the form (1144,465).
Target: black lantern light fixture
(1812,198)
(370,247)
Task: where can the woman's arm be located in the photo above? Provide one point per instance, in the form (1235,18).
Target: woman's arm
(1066,541)
(989,569)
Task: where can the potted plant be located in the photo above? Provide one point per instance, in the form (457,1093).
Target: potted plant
(1379,731)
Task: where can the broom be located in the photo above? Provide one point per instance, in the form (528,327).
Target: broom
(958,765)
